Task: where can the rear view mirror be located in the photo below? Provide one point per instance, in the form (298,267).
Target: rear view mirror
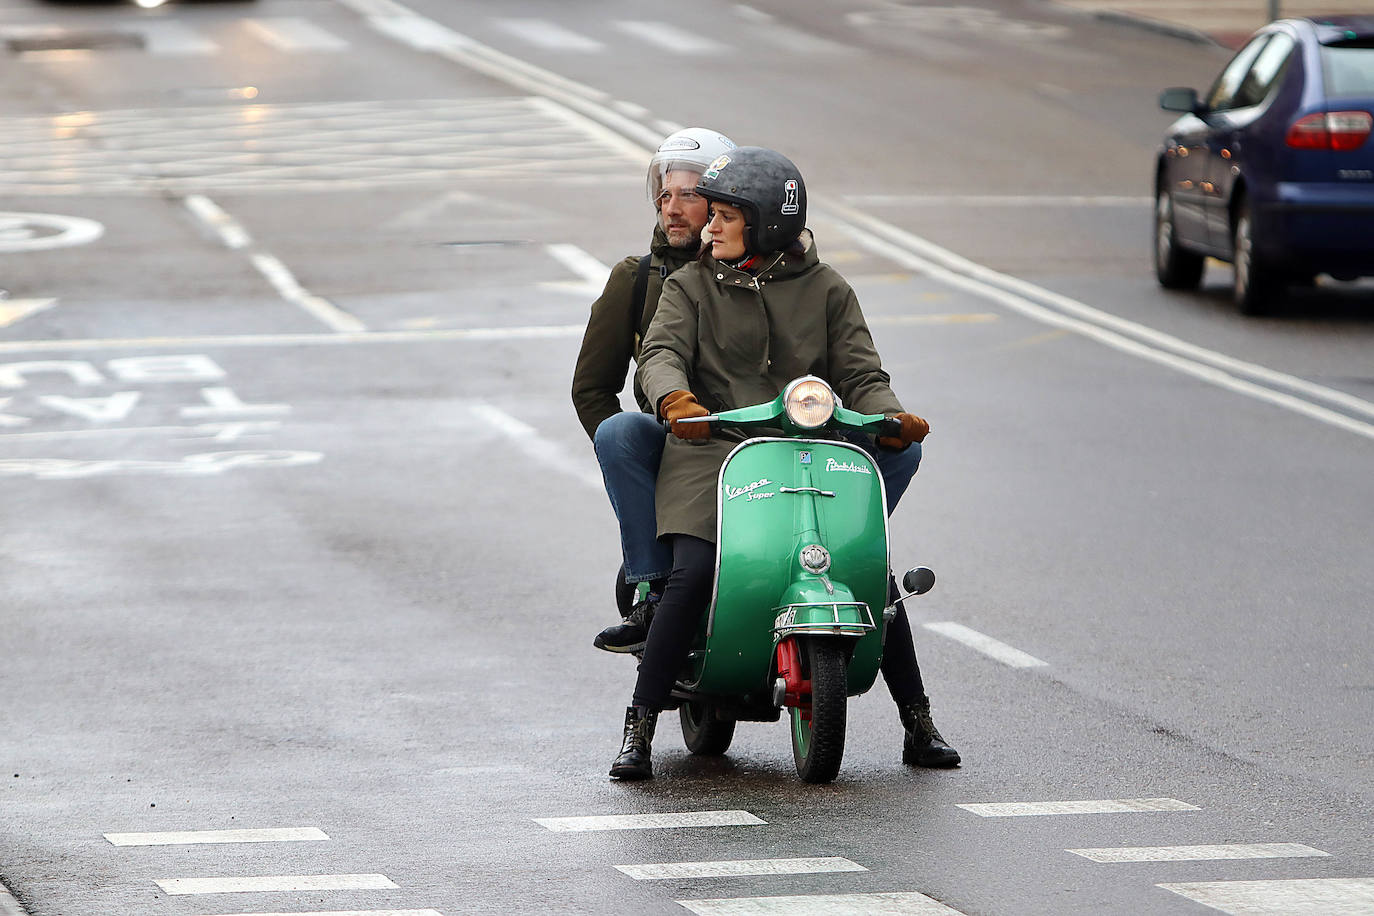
(918,581)
(1180,100)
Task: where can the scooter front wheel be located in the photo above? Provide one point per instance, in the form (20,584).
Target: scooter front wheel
(702,731)
(818,729)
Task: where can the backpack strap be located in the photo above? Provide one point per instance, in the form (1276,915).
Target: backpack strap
(641,291)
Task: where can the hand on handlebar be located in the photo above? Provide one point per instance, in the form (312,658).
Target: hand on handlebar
(679,405)
(910,428)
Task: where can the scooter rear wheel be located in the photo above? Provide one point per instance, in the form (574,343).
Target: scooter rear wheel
(818,738)
(704,733)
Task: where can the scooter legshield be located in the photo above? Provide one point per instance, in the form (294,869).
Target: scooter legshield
(762,529)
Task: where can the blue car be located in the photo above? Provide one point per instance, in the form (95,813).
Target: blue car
(1273,169)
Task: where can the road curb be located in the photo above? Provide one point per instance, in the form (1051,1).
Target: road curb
(8,905)
(1159,27)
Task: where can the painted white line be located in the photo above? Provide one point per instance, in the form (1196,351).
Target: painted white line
(291,33)
(527,440)
(1295,897)
(42,231)
(995,200)
(194,837)
(650,821)
(345,913)
(13,311)
(173,39)
(990,647)
(269,883)
(1126,336)
(740,868)
(954,318)
(1109,806)
(8,905)
(907,903)
(670,38)
(592,271)
(1198,853)
(549,35)
(529,332)
(222,224)
(285,283)
(221,432)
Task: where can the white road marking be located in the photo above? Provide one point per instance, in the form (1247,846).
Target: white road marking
(990,647)
(549,35)
(222,224)
(592,271)
(650,821)
(220,432)
(192,837)
(1126,336)
(1294,897)
(785,36)
(340,913)
(671,38)
(1110,806)
(173,39)
(740,868)
(8,905)
(291,33)
(527,332)
(13,311)
(270,883)
(996,200)
(25,231)
(1198,853)
(285,283)
(527,440)
(207,464)
(907,903)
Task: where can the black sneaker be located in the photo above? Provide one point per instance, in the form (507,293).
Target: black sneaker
(629,635)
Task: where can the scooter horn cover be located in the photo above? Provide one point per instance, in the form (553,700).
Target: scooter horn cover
(767,187)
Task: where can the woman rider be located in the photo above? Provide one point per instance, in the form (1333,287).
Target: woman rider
(757,310)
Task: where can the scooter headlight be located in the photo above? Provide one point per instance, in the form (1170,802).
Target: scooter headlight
(809,403)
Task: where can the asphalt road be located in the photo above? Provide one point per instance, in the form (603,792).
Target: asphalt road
(301,535)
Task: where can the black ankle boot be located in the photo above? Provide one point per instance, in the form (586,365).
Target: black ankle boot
(633,761)
(923,746)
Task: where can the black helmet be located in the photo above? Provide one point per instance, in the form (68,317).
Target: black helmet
(767,187)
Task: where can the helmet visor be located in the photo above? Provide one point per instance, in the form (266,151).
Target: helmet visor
(683,183)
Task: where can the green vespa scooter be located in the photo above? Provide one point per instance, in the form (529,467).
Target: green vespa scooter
(799,605)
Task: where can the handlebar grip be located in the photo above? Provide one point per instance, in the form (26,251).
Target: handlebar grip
(890,427)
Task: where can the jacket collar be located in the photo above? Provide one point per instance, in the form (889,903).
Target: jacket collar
(673,257)
(773,266)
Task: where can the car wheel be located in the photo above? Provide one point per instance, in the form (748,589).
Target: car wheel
(1175,268)
(1258,285)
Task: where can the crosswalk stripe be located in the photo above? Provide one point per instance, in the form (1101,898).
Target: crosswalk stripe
(1291,897)
(261,883)
(173,39)
(907,903)
(670,38)
(549,35)
(292,33)
(650,821)
(190,837)
(740,868)
(1108,806)
(1198,853)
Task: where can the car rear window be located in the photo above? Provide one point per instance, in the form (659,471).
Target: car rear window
(1349,67)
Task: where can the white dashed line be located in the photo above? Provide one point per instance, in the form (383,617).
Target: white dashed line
(671,38)
(1296,897)
(285,283)
(1112,806)
(549,35)
(192,837)
(291,33)
(1198,853)
(527,440)
(592,271)
(740,868)
(650,821)
(264,883)
(990,647)
(222,224)
(893,904)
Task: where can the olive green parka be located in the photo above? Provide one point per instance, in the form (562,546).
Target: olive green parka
(612,341)
(733,339)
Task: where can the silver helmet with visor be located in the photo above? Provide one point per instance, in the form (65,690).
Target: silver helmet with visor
(691,149)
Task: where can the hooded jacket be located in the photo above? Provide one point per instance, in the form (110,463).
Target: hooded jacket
(734,339)
(611,340)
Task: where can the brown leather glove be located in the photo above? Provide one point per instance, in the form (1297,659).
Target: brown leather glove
(679,405)
(914,429)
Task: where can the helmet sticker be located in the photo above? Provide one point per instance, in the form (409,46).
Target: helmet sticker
(713,170)
(678,143)
(789,206)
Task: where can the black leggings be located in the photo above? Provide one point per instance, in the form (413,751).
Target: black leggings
(685,600)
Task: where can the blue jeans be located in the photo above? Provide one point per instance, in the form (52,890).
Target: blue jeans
(629,447)
(897,468)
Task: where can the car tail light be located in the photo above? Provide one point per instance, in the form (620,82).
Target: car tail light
(1333,130)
